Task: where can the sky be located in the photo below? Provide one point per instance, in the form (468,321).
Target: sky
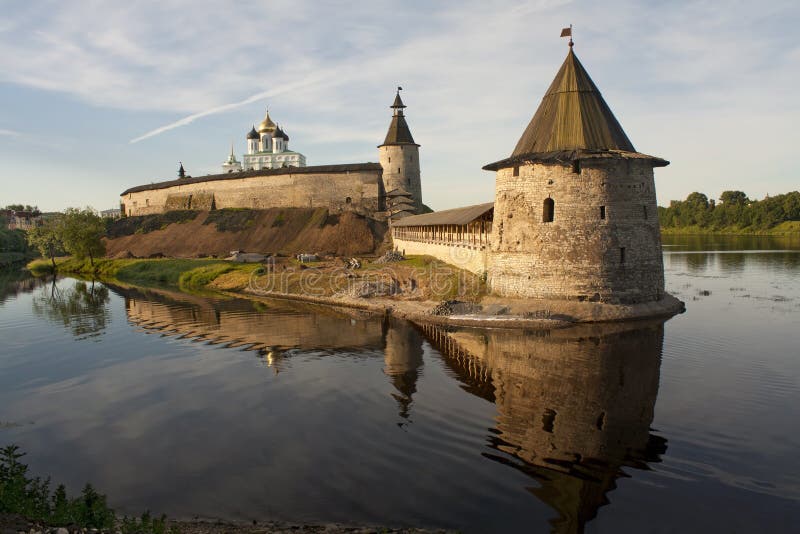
(97,97)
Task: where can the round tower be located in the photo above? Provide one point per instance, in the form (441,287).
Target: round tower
(575,214)
(399,157)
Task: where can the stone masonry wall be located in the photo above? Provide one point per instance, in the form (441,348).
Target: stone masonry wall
(469,259)
(401,169)
(364,189)
(577,255)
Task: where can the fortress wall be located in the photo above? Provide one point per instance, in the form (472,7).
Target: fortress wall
(469,259)
(577,255)
(325,190)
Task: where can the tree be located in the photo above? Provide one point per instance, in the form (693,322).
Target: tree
(81,233)
(21,207)
(731,198)
(47,239)
(697,200)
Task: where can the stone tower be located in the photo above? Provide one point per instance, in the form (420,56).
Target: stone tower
(399,157)
(575,213)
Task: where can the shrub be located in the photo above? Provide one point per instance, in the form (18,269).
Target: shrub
(204,275)
(32,499)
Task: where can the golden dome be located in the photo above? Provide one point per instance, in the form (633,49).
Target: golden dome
(266,125)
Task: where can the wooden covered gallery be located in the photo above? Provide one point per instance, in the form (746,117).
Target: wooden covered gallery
(470,226)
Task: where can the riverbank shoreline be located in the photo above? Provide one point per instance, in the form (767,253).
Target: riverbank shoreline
(393,290)
(788,230)
(516,313)
(13,524)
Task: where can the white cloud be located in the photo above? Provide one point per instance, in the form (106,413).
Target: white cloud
(9,133)
(474,72)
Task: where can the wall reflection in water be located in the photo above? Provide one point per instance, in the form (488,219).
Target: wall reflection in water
(269,327)
(574,406)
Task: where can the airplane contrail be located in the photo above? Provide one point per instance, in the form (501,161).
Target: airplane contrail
(227,107)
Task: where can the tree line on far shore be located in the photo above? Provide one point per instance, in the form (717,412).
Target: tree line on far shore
(734,211)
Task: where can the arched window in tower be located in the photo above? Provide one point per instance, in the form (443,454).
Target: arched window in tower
(548,210)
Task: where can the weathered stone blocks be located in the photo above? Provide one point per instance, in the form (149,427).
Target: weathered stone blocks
(603,243)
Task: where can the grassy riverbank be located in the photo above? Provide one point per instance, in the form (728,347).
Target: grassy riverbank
(785,229)
(183,273)
(416,278)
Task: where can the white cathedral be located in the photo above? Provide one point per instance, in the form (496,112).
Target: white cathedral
(267,148)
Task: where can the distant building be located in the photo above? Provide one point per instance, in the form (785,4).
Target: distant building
(23,220)
(113,213)
(267,148)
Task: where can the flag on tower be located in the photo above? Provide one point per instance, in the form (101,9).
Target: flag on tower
(566,32)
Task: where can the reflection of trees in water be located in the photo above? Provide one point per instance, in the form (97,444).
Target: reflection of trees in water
(573,406)
(16,281)
(730,242)
(699,263)
(81,308)
(732,262)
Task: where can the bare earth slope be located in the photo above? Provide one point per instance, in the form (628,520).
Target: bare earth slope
(285,230)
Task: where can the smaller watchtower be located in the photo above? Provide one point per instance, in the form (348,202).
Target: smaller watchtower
(399,156)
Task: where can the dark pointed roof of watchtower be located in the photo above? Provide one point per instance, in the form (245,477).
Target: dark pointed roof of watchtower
(399,133)
(573,121)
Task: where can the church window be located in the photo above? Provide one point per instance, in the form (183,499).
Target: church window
(548,210)
(602,212)
(390,159)
(348,200)
(576,166)
(645,212)
(147,202)
(516,171)
(398,170)
(622,254)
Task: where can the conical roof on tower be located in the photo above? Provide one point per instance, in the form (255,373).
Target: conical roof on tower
(399,133)
(572,121)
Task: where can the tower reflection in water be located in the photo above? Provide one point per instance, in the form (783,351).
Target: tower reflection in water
(574,406)
(403,360)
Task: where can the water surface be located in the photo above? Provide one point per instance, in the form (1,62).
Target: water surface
(240,410)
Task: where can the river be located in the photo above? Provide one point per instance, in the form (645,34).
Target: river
(233,409)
